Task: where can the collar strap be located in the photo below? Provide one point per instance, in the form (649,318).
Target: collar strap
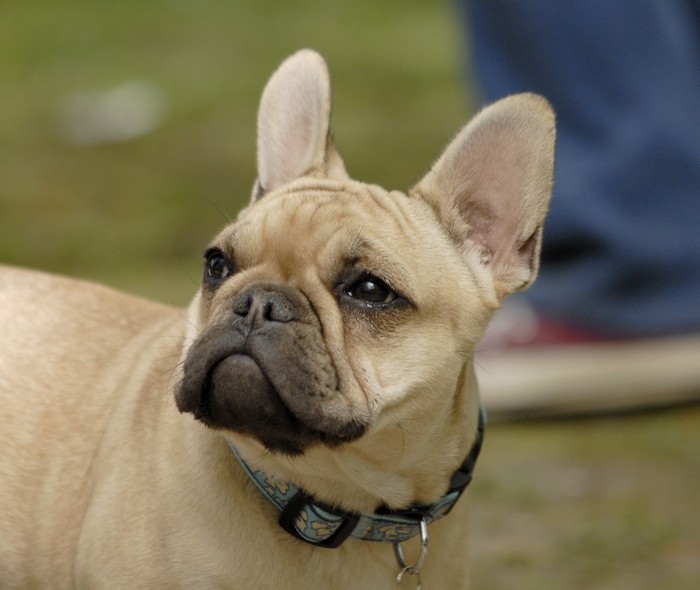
(318,524)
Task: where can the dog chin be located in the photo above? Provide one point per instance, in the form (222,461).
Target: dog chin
(235,394)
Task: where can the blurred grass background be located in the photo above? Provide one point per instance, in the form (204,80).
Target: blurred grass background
(138,214)
(609,503)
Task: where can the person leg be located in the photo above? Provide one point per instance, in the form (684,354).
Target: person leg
(621,255)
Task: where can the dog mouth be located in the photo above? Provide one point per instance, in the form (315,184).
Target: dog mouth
(237,395)
(226,386)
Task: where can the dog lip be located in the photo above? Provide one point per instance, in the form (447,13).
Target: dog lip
(345,432)
(236,395)
(232,380)
(242,357)
(202,411)
(300,427)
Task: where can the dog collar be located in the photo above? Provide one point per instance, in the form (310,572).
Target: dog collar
(318,524)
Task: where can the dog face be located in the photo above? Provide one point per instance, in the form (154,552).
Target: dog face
(333,302)
(338,315)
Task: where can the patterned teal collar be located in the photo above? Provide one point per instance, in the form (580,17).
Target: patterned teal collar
(324,526)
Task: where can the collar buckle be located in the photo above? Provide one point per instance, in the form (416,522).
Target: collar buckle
(295,516)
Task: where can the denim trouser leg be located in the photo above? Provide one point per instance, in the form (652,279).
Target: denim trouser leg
(622,242)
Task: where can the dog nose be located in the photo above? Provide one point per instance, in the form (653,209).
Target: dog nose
(265,304)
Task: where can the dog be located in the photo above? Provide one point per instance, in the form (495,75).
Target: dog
(311,420)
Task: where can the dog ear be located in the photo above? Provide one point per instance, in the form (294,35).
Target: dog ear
(491,187)
(294,124)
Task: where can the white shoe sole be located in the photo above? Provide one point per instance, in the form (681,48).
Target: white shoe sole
(589,378)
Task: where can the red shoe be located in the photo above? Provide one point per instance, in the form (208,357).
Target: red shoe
(529,367)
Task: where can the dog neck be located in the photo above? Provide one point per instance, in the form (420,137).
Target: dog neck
(318,524)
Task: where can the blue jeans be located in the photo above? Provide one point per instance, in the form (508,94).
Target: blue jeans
(621,252)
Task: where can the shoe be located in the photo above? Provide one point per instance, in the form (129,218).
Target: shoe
(530,368)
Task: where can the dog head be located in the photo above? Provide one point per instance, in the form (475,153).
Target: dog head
(333,333)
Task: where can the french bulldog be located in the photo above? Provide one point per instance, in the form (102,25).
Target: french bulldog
(312,418)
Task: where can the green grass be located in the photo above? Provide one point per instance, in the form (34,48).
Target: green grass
(600,504)
(608,503)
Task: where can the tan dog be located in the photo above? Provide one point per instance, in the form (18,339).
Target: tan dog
(329,347)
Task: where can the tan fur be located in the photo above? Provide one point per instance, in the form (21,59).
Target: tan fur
(105,484)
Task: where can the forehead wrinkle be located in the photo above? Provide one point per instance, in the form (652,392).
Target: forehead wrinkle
(388,201)
(293,237)
(353,213)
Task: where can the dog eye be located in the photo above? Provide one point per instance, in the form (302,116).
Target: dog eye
(216,265)
(371,290)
